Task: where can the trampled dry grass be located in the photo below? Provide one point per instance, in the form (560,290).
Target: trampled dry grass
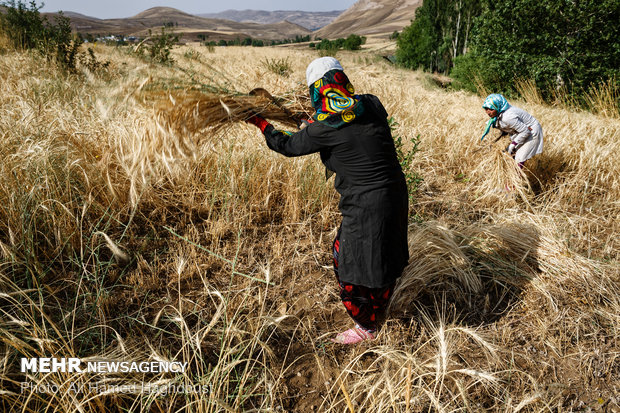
(122,238)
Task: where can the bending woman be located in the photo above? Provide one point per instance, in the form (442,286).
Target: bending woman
(526,134)
(353,137)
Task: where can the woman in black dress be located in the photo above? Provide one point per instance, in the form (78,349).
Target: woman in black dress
(353,137)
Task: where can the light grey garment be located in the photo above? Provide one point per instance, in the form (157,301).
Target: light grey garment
(524,130)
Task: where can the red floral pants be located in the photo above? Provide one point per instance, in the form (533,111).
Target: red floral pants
(365,305)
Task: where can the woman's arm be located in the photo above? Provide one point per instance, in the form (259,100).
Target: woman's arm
(287,143)
(292,144)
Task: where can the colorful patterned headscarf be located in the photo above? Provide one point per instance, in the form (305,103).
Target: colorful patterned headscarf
(497,102)
(333,99)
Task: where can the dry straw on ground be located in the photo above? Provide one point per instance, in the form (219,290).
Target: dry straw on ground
(510,302)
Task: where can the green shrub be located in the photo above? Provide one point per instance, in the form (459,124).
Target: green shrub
(62,44)
(210,46)
(89,61)
(161,45)
(470,73)
(405,158)
(327,48)
(354,42)
(281,67)
(191,54)
(26,29)
(23,25)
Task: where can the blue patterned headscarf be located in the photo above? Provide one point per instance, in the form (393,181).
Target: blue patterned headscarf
(497,102)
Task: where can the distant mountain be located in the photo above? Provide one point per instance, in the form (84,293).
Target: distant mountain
(74,15)
(190,26)
(311,20)
(367,17)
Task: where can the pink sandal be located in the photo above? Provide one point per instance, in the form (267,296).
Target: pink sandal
(353,336)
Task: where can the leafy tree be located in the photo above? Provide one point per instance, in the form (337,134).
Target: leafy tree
(415,44)
(570,44)
(578,44)
(439,34)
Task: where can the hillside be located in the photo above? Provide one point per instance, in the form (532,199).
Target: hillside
(191,26)
(371,17)
(365,17)
(308,19)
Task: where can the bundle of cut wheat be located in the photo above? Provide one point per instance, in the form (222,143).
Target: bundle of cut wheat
(499,177)
(456,260)
(438,263)
(192,111)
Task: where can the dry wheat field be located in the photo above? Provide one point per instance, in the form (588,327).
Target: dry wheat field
(131,230)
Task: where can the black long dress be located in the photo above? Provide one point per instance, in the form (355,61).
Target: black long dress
(374,200)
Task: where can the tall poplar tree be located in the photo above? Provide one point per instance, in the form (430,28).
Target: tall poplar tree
(439,34)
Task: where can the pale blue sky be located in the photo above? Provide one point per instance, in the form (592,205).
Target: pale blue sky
(106,9)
